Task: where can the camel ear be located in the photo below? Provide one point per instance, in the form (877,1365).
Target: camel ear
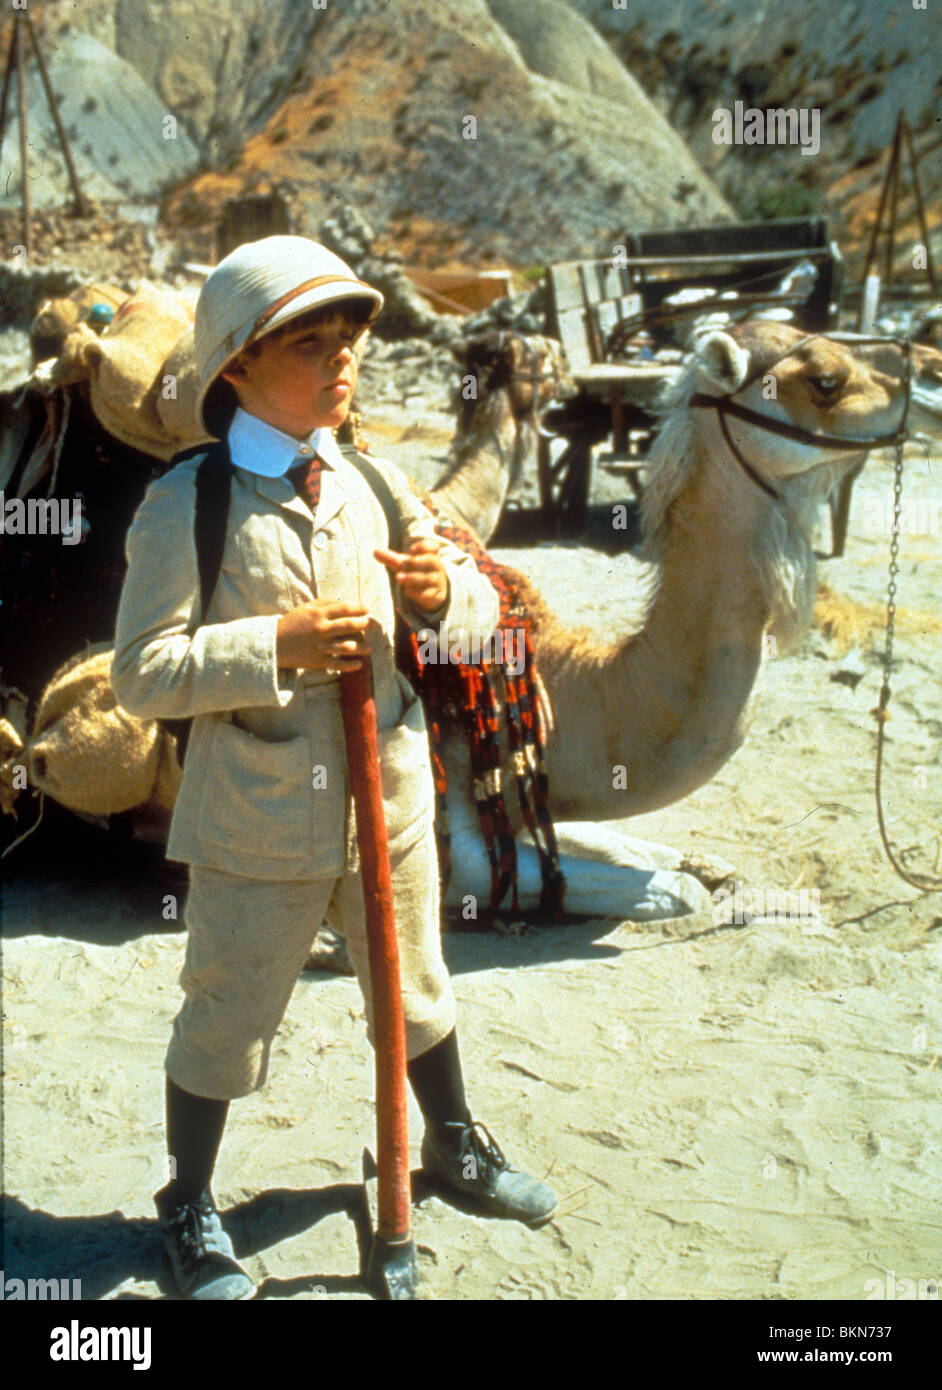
(721,362)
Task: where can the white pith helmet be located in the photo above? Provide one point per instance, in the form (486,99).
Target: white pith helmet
(259,287)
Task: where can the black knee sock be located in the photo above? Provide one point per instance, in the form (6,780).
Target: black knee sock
(436,1080)
(194,1133)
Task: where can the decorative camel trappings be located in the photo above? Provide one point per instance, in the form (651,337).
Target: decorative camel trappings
(643,720)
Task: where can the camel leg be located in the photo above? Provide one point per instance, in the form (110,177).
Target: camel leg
(645,891)
(602,840)
(840,509)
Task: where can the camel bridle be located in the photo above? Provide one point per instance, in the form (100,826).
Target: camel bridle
(727,405)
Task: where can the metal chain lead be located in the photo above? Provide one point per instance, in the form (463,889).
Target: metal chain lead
(894,571)
(923,882)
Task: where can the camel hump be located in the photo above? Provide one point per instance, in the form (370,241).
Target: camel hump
(525,595)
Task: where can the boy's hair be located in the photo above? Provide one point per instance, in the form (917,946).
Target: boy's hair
(221,398)
(355,309)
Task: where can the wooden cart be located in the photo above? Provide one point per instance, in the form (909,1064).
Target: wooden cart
(611,318)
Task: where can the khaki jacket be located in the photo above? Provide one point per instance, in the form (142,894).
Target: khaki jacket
(264,792)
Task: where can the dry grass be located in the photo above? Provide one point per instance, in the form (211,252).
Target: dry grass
(849,623)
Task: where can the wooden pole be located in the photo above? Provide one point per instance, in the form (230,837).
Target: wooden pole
(24,140)
(7,78)
(874,235)
(80,206)
(894,200)
(389,1034)
(920,208)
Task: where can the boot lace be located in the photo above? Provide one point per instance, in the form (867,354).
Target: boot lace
(198,1231)
(484,1148)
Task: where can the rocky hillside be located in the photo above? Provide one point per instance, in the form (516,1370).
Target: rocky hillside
(860,62)
(475,131)
(114,121)
(456,136)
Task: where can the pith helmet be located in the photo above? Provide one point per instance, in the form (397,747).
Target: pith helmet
(259,287)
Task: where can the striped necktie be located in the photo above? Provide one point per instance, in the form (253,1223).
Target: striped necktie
(307,481)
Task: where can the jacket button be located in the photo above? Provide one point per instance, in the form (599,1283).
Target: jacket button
(320,539)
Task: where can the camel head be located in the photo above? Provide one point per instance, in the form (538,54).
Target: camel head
(531,370)
(779,403)
(768,419)
(828,389)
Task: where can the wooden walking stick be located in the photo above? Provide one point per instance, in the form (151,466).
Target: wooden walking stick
(391,1269)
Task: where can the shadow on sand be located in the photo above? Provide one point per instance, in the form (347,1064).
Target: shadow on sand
(109,1250)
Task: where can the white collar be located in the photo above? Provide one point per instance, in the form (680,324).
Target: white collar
(260,448)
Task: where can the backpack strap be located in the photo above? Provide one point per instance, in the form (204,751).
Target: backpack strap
(213,488)
(210,518)
(394,526)
(383,492)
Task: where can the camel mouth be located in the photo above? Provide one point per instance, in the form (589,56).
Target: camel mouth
(926,389)
(928,399)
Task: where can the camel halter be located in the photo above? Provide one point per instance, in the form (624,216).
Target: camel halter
(727,405)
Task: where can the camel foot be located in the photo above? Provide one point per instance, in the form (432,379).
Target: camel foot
(329,953)
(613,852)
(628,893)
(620,888)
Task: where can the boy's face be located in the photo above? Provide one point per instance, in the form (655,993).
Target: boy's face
(301,377)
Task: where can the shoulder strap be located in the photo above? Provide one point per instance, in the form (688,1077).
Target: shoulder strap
(213,487)
(394,526)
(382,490)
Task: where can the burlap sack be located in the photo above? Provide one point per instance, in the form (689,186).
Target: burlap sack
(177,410)
(58,317)
(88,753)
(141,372)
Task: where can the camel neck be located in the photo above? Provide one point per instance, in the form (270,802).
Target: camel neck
(667,703)
(482,466)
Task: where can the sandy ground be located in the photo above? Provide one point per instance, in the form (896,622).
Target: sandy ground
(727,1112)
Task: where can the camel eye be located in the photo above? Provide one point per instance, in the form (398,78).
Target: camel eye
(827,385)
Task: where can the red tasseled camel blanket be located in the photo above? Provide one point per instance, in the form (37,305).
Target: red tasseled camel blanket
(470,692)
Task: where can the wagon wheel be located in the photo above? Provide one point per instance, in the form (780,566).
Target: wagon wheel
(564,484)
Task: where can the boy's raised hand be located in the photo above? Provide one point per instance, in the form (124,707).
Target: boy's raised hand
(323,635)
(421,575)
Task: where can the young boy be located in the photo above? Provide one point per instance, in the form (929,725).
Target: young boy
(263,815)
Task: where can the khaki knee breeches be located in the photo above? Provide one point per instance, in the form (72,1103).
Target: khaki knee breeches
(247,943)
